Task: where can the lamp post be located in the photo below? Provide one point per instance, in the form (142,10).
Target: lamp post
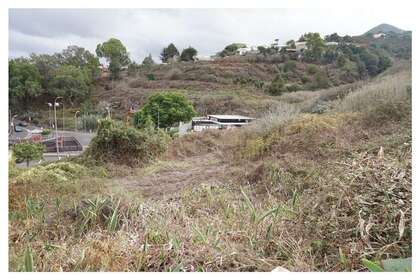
(49,113)
(55,123)
(12,124)
(75,120)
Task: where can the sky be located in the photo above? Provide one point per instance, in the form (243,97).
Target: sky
(145,31)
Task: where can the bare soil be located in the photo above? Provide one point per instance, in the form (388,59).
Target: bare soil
(174,176)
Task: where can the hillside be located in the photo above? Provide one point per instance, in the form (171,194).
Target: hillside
(300,191)
(384,28)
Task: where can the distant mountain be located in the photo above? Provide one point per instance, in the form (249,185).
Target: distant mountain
(384,28)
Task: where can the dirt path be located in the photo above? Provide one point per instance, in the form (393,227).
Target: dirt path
(168,177)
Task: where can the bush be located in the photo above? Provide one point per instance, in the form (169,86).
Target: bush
(27,152)
(57,172)
(293,87)
(174,74)
(311,69)
(276,87)
(89,122)
(46,132)
(289,66)
(150,77)
(321,81)
(120,144)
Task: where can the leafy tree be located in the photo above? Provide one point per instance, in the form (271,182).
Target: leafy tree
(115,53)
(27,152)
(148,61)
(267,51)
(371,61)
(46,65)
(231,49)
(277,86)
(70,82)
(165,109)
(333,38)
(347,39)
(81,58)
(188,54)
(291,44)
(169,52)
(315,46)
(24,82)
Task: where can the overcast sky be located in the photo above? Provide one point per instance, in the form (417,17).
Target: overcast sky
(145,31)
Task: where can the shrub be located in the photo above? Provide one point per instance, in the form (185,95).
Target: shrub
(293,87)
(120,144)
(89,122)
(151,77)
(311,69)
(174,74)
(57,172)
(276,87)
(289,66)
(321,81)
(46,132)
(27,152)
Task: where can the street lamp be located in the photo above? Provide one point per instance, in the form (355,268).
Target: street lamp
(49,114)
(56,126)
(75,120)
(12,124)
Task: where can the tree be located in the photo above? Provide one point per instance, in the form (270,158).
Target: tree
(70,82)
(24,82)
(46,65)
(27,152)
(277,86)
(116,55)
(315,46)
(81,58)
(169,52)
(165,109)
(188,54)
(291,44)
(231,49)
(333,38)
(148,61)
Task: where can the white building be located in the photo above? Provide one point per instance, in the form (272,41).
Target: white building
(219,122)
(379,35)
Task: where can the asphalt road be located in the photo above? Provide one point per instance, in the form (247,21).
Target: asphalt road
(83,137)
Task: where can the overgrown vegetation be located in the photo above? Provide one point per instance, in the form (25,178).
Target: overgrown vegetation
(117,143)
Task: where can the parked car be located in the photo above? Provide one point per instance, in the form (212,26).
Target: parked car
(22,123)
(18,128)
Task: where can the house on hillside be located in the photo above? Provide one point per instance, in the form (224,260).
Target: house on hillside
(214,122)
(379,35)
(299,47)
(331,43)
(203,58)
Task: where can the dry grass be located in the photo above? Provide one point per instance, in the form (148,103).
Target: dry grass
(309,193)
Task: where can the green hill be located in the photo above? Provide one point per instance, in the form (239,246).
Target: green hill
(384,28)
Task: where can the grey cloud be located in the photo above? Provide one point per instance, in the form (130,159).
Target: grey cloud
(145,31)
